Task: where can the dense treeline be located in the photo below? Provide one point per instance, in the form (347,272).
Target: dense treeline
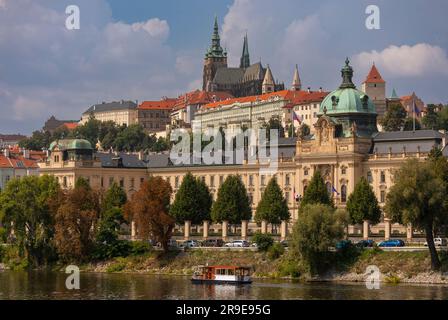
(109,135)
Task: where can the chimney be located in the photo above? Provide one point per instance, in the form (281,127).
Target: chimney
(141,155)
(309,90)
(320,89)
(6,152)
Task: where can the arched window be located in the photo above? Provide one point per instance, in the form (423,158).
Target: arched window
(344,193)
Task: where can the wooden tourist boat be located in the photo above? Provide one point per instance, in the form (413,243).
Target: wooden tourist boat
(222,274)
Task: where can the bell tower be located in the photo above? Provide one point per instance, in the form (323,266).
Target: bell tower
(215,58)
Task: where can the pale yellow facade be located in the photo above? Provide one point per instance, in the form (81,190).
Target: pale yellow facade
(120,117)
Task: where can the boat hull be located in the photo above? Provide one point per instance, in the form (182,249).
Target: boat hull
(214,281)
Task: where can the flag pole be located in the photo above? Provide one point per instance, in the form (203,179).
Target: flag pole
(413,111)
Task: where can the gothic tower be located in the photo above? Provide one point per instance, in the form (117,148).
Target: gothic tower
(296,83)
(375,87)
(245,58)
(268,82)
(215,58)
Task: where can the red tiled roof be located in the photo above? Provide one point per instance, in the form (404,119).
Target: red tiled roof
(17,162)
(294,98)
(164,104)
(70,125)
(374,76)
(4,162)
(200,98)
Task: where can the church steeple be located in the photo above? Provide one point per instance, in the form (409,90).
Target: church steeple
(216,51)
(245,58)
(296,83)
(268,85)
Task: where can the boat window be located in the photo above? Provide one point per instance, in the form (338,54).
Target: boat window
(230,272)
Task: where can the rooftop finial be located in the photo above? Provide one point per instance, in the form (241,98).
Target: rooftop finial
(347,75)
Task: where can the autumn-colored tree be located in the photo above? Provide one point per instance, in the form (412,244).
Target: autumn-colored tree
(76,222)
(149,209)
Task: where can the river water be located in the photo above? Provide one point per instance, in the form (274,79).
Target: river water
(51,285)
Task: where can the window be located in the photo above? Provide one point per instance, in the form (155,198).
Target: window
(306,171)
(221,180)
(251,180)
(176,182)
(132,183)
(383,177)
(344,194)
(369,177)
(212,181)
(383,196)
(329,188)
(111,181)
(287,197)
(142,180)
(251,198)
(64,182)
(56,158)
(287,180)
(344,170)
(263,180)
(122,182)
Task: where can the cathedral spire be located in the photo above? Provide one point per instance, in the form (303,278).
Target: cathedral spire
(268,82)
(296,83)
(245,58)
(216,51)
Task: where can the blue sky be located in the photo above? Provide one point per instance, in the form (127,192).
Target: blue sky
(143,50)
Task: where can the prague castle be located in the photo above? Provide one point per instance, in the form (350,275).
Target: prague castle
(344,146)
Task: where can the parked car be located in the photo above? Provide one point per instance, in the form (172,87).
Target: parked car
(213,243)
(237,243)
(366,244)
(172,243)
(284,243)
(343,244)
(392,243)
(438,242)
(191,244)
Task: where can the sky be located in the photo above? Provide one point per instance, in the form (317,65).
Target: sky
(144,50)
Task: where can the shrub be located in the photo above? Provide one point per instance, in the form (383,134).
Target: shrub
(120,248)
(139,248)
(276,251)
(263,241)
(289,268)
(117,266)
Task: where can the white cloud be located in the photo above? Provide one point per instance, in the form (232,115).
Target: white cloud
(155,27)
(406,61)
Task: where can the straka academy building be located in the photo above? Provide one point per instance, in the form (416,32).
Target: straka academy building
(344,146)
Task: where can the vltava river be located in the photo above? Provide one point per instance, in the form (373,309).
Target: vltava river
(51,285)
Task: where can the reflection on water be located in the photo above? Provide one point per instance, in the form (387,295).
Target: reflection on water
(51,285)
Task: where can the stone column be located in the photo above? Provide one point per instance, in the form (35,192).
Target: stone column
(133,230)
(409,232)
(264,227)
(283,230)
(387,228)
(205,229)
(225,227)
(187,229)
(244,229)
(365,230)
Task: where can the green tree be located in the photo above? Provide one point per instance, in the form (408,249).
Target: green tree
(313,234)
(192,202)
(38,141)
(362,204)
(394,118)
(431,119)
(232,203)
(419,197)
(273,206)
(89,130)
(409,124)
(443,117)
(275,124)
(316,192)
(25,207)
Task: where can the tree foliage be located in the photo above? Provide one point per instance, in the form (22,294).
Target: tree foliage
(419,197)
(273,206)
(25,207)
(192,202)
(232,204)
(394,118)
(149,208)
(362,204)
(76,222)
(313,234)
(316,192)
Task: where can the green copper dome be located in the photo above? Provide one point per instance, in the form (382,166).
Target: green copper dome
(71,144)
(347,99)
(351,109)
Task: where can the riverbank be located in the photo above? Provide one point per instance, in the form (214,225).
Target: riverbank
(395,267)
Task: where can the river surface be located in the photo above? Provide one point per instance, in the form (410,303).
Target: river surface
(51,285)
